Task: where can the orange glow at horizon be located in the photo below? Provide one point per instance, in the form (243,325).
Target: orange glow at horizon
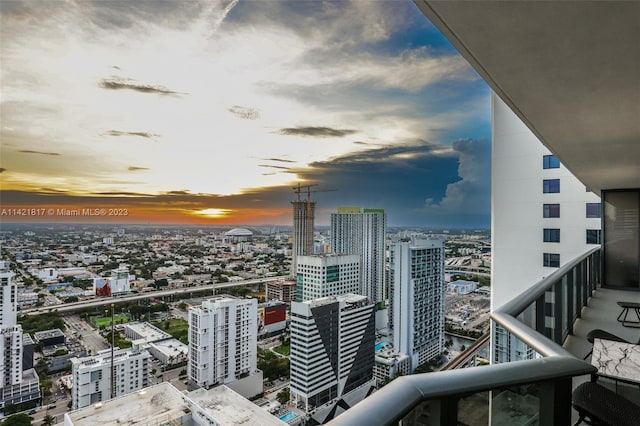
(149,213)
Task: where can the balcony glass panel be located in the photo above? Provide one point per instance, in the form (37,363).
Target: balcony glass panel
(621,239)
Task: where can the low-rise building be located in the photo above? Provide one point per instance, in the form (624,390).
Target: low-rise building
(92,375)
(51,337)
(164,404)
(284,291)
(169,351)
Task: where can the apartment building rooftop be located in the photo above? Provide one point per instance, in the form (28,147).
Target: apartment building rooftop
(351,299)
(164,404)
(158,404)
(230,408)
(104,357)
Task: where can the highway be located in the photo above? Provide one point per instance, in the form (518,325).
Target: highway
(70,307)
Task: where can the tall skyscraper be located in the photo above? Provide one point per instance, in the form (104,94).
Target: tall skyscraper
(537,200)
(222,340)
(362,232)
(16,385)
(324,275)
(417,292)
(92,375)
(332,353)
(303,222)
(8,296)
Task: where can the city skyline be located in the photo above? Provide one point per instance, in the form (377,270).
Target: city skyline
(210,113)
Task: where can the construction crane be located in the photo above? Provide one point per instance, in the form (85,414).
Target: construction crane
(301,189)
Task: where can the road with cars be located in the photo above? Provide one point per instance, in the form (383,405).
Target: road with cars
(70,307)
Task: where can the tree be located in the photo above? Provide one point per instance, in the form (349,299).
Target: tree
(17,420)
(48,420)
(284,395)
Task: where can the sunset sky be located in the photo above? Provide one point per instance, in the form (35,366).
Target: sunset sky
(212,111)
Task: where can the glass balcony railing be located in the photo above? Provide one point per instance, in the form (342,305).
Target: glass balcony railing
(535,390)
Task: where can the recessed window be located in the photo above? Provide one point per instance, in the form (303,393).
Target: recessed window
(551,210)
(551,235)
(593,210)
(551,186)
(551,259)
(593,236)
(550,162)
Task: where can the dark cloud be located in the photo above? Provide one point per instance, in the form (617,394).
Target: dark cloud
(29,151)
(139,134)
(321,132)
(2,170)
(127,84)
(246,113)
(53,190)
(281,160)
(135,169)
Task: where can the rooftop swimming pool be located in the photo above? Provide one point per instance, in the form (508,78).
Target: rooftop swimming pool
(289,416)
(380,345)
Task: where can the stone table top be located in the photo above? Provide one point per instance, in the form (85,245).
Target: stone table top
(616,360)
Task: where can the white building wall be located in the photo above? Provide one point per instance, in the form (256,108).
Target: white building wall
(362,232)
(417,299)
(8,295)
(517,209)
(316,276)
(92,375)
(222,340)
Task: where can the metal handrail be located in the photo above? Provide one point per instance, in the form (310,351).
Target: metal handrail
(506,314)
(394,401)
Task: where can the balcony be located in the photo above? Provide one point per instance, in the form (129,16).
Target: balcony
(549,322)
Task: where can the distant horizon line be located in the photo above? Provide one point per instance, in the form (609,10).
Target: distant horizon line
(194,225)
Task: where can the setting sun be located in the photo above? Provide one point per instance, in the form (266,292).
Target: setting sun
(214,213)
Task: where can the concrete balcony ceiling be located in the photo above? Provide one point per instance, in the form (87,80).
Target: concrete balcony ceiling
(569,69)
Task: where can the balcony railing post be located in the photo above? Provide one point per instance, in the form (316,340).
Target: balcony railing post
(570,302)
(555,402)
(449,412)
(558,325)
(541,326)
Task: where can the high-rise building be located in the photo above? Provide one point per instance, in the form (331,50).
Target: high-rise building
(332,353)
(537,200)
(222,340)
(417,289)
(16,384)
(92,375)
(303,222)
(324,275)
(363,232)
(9,297)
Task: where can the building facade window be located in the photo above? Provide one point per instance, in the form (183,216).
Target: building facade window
(551,210)
(593,210)
(551,259)
(551,186)
(551,235)
(550,162)
(593,236)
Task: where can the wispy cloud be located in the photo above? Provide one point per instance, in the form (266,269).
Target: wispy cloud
(274,167)
(321,132)
(139,134)
(128,84)
(29,151)
(281,160)
(246,113)
(136,169)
